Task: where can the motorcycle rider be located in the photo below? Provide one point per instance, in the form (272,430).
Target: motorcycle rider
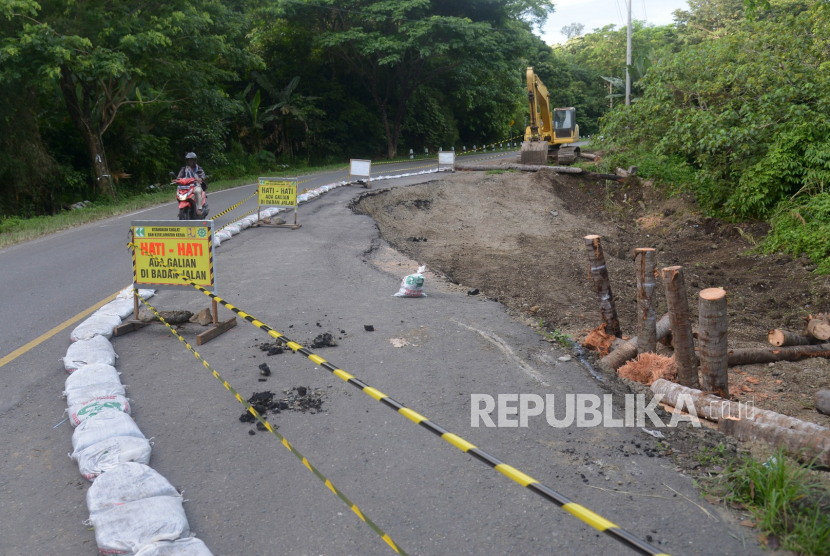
(193,170)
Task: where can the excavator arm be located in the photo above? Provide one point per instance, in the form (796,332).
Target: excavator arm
(548,130)
(541,119)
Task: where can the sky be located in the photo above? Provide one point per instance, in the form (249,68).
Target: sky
(599,13)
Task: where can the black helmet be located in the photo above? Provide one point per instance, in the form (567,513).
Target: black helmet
(190,155)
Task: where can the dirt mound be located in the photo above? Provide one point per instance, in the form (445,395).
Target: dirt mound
(517,237)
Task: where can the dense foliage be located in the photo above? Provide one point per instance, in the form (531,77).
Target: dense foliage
(102,98)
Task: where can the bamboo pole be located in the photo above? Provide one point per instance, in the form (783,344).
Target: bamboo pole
(647,333)
(712,337)
(681,326)
(602,285)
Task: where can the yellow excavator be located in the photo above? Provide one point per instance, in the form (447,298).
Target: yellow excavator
(548,134)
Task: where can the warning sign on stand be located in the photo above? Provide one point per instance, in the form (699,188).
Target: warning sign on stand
(274,192)
(164,248)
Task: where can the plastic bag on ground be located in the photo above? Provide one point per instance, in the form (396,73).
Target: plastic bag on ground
(89,352)
(413,285)
(99,324)
(190,546)
(125,483)
(128,528)
(80,412)
(92,381)
(101,427)
(107,454)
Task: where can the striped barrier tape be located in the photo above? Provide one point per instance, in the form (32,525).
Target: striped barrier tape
(577,510)
(386,538)
(227,210)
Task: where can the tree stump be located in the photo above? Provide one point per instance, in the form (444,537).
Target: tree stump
(647,321)
(681,326)
(602,285)
(714,353)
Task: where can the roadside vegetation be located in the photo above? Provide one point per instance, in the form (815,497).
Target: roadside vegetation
(786,502)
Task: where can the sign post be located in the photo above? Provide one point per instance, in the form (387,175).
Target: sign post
(446,159)
(163,250)
(361,168)
(277,192)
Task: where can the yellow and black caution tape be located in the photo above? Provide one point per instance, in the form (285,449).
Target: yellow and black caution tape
(386,538)
(227,210)
(577,510)
(237,220)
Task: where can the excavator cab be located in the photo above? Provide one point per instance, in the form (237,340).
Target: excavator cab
(564,122)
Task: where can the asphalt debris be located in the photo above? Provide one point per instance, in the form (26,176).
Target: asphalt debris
(323,340)
(368,328)
(273,348)
(264,370)
(304,399)
(473,291)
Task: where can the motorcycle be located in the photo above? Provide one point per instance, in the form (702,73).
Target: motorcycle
(186,195)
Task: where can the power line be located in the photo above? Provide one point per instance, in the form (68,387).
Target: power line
(619,12)
(645,13)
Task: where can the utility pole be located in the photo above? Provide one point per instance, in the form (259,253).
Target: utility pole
(628,58)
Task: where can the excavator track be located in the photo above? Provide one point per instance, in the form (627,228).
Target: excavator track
(565,156)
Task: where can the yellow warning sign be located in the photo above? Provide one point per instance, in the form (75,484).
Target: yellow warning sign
(274,192)
(163,249)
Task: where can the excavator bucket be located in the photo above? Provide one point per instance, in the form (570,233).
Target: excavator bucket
(534,152)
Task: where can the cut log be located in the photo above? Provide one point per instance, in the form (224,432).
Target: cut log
(807,447)
(778,337)
(715,408)
(712,338)
(681,326)
(595,176)
(628,350)
(602,285)
(823,401)
(621,173)
(647,329)
(819,327)
(751,356)
(589,156)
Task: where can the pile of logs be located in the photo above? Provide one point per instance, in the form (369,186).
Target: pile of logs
(702,372)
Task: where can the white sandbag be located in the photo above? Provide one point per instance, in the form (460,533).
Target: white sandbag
(88,352)
(302,198)
(413,285)
(82,411)
(101,427)
(242,224)
(190,546)
(107,454)
(92,381)
(122,308)
(127,293)
(127,528)
(233,229)
(96,325)
(126,483)
(216,241)
(251,220)
(223,235)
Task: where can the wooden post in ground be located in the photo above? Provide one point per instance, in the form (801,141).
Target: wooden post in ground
(681,326)
(713,350)
(602,285)
(646,319)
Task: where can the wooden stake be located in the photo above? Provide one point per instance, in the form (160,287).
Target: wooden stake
(135,305)
(602,285)
(647,333)
(681,326)
(215,312)
(712,337)
(778,337)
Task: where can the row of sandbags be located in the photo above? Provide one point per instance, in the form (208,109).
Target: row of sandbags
(133,509)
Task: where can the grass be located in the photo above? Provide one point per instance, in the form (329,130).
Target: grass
(556,336)
(786,500)
(16,230)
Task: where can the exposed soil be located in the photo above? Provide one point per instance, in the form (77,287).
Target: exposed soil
(517,237)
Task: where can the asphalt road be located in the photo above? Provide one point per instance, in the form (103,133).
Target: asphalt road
(248,495)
